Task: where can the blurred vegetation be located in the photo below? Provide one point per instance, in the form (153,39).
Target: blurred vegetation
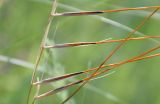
(22,24)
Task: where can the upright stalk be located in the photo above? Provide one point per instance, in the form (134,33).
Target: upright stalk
(41,50)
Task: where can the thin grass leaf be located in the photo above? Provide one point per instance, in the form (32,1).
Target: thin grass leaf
(76,44)
(81,13)
(57,90)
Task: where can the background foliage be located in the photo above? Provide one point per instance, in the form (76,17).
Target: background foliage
(22,24)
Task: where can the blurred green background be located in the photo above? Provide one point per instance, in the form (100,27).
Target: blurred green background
(22,25)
